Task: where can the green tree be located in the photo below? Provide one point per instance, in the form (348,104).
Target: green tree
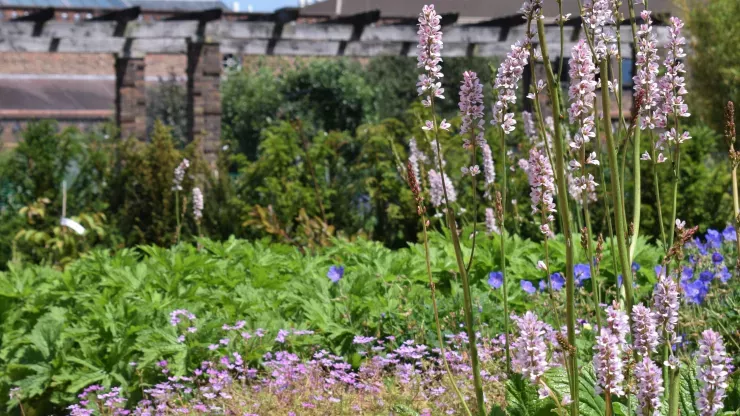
(714,76)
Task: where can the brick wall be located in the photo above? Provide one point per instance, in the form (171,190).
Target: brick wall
(85,64)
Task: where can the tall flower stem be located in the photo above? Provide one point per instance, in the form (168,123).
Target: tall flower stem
(673,391)
(656,184)
(563,205)
(473,160)
(467,303)
(436,320)
(730,138)
(637,199)
(177,216)
(676,181)
(589,248)
(619,217)
(502,215)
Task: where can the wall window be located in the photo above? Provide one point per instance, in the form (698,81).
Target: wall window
(627,65)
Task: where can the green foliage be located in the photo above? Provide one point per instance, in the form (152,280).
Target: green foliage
(64,329)
(713,75)
(167,103)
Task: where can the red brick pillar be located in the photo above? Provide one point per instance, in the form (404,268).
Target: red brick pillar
(131,97)
(204,96)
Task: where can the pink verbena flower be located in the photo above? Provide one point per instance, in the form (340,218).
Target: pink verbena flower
(507,81)
(581,93)
(649,387)
(416,156)
(471,103)
(491,226)
(646,78)
(197,204)
(180,175)
(437,189)
(665,305)
(529,348)
(673,85)
(542,187)
(608,363)
(430,57)
(644,333)
(713,372)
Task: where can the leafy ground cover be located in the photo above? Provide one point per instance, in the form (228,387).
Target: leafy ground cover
(111,320)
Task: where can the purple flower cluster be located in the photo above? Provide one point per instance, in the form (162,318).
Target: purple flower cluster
(644,333)
(507,80)
(672,84)
(542,185)
(430,56)
(286,384)
(416,156)
(646,79)
(529,348)
(197,204)
(471,104)
(608,363)
(180,175)
(649,387)
(597,15)
(581,92)
(665,305)
(611,343)
(491,226)
(437,189)
(713,372)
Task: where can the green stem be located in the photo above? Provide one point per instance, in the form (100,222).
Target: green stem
(637,199)
(673,394)
(656,184)
(475,199)
(467,305)
(676,178)
(436,321)
(736,206)
(619,217)
(563,209)
(503,247)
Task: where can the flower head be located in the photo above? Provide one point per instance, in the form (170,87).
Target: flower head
(529,348)
(180,175)
(335,273)
(437,188)
(665,305)
(528,287)
(197,204)
(495,279)
(644,333)
(649,387)
(713,372)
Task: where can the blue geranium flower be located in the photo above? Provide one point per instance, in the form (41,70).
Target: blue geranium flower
(695,291)
(701,246)
(581,273)
(635,266)
(528,287)
(557,280)
(729,233)
(335,273)
(542,285)
(706,276)
(713,238)
(723,275)
(717,258)
(495,279)
(687,273)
